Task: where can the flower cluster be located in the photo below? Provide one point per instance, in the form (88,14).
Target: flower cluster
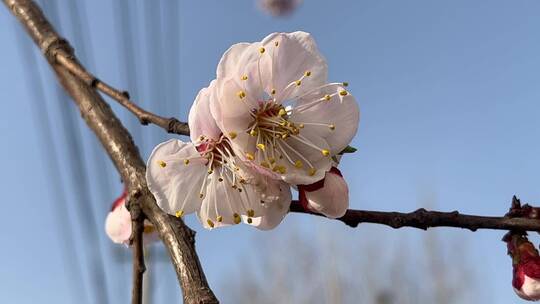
(526,266)
(269,121)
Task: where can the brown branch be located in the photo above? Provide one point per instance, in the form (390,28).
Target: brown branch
(171,125)
(137,229)
(424,219)
(117,141)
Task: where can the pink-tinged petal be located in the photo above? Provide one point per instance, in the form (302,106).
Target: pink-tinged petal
(225,205)
(231,108)
(295,54)
(332,199)
(200,121)
(175,174)
(335,119)
(118,225)
(275,211)
(230,62)
(530,290)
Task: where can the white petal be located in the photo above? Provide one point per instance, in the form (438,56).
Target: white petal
(332,200)
(175,185)
(340,111)
(275,211)
(225,201)
(200,120)
(118,225)
(231,111)
(230,61)
(216,208)
(296,54)
(301,176)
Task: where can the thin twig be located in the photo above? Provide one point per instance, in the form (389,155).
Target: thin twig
(176,236)
(137,229)
(171,125)
(424,219)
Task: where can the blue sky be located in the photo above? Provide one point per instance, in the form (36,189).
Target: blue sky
(449,97)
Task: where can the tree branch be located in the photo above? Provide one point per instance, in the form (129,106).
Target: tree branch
(171,125)
(137,229)
(424,219)
(117,141)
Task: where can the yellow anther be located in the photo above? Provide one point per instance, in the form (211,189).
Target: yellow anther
(249,220)
(282,112)
(253,132)
(232,135)
(312,171)
(210,223)
(285,135)
(282,169)
(261,50)
(265,164)
(345,84)
(301,126)
(343,93)
(220,179)
(307,73)
(219,219)
(273,92)
(250,156)
(201,195)
(236,218)
(327,97)
(272,160)
(242,181)
(162,164)
(179,213)
(239,189)
(201,137)
(186,162)
(210,171)
(251,213)
(298,164)
(261,146)
(234,186)
(325,152)
(241,94)
(298,82)
(244,77)
(276,43)
(236,168)
(332,127)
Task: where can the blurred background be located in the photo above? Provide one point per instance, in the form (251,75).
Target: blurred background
(449,94)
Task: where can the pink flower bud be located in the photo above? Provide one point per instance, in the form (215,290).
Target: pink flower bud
(526,267)
(118,223)
(329,196)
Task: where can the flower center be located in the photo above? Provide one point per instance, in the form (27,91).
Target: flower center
(272,127)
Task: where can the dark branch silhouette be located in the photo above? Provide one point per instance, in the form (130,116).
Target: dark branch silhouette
(117,141)
(424,219)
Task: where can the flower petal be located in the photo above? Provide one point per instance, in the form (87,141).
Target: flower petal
(175,184)
(200,121)
(295,55)
(336,119)
(118,225)
(332,199)
(275,211)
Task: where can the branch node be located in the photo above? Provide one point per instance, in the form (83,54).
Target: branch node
(126,95)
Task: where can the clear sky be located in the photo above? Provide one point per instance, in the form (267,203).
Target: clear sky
(449,93)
